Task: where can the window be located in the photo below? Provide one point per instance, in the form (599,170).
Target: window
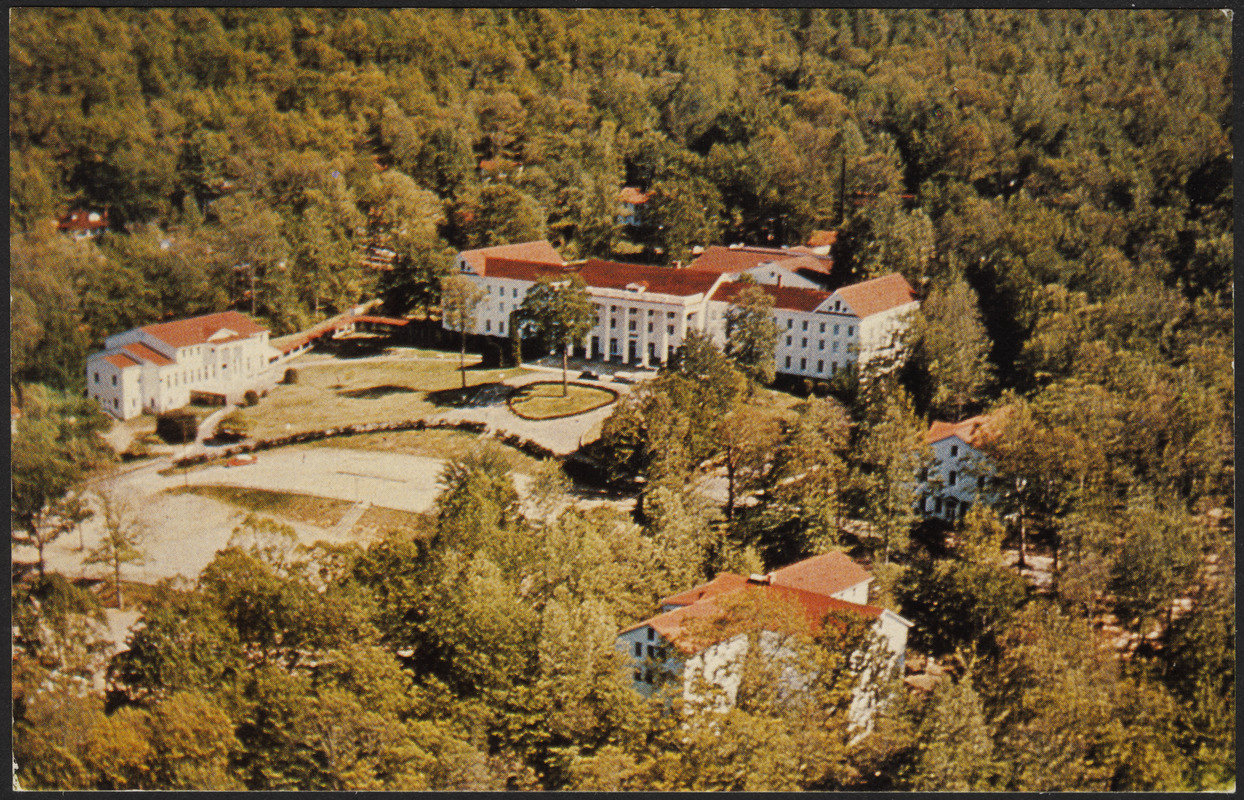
(115,404)
(837,305)
(639,650)
(612,309)
(639,674)
(833,368)
(788,362)
(850,331)
(951,478)
(805,324)
(924,473)
(790,323)
(488,325)
(114,380)
(669,329)
(805,342)
(954,450)
(835,330)
(822,345)
(820,366)
(822,327)
(649,327)
(652,634)
(651,312)
(97,377)
(501,307)
(515,292)
(500,327)
(835,347)
(631,325)
(613,323)
(803,363)
(937,505)
(788,341)
(652,652)
(669,314)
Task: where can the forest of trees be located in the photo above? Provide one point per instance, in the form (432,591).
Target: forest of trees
(1057,185)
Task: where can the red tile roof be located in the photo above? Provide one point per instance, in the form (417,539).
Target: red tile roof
(142,352)
(971,430)
(675,627)
(877,295)
(122,360)
(788,298)
(83,220)
(825,574)
(520,270)
(658,280)
(633,195)
(395,321)
(540,251)
(809,263)
(739,259)
(197,330)
(725,582)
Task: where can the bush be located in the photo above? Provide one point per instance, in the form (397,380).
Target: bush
(291,375)
(234,427)
(251,398)
(177,427)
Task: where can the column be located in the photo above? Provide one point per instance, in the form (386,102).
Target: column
(644,335)
(663,353)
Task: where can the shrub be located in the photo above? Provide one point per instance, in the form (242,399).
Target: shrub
(234,427)
(291,375)
(177,427)
(251,398)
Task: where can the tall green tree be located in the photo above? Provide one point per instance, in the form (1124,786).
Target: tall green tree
(460,296)
(892,451)
(752,334)
(558,311)
(953,346)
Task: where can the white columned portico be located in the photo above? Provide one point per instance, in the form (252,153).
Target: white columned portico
(643,335)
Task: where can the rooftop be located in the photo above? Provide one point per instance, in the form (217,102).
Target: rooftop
(788,298)
(971,430)
(659,280)
(825,574)
(83,220)
(198,330)
(142,352)
(122,360)
(540,251)
(633,195)
(878,294)
(740,259)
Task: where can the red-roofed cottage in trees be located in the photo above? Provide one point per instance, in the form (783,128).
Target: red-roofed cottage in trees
(697,637)
(156,368)
(960,472)
(643,312)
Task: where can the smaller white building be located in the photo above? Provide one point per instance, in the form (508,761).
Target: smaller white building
(156,368)
(960,472)
(672,644)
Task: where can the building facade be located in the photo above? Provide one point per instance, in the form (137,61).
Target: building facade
(671,646)
(960,472)
(643,313)
(157,368)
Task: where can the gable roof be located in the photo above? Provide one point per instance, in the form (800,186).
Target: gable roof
(824,574)
(972,430)
(540,251)
(142,352)
(520,269)
(878,294)
(197,330)
(122,360)
(820,238)
(740,259)
(678,626)
(725,582)
(786,298)
(659,280)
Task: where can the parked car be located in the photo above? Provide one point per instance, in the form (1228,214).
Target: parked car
(588,375)
(241,461)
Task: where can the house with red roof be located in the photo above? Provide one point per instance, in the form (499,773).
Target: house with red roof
(960,472)
(83,224)
(703,633)
(156,368)
(643,312)
(632,199)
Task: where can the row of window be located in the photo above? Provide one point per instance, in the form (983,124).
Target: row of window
(790,324)
(501,291)
(820,366)
(790,340)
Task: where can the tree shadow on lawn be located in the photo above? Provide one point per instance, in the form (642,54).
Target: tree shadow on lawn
(482,394)
(375,392)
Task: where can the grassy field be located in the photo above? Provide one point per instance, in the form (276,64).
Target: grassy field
(377,521)
(342,392)
(545,401)
(443,444)
(322,512)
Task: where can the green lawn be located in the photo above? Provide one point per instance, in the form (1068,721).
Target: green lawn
(445,444)
(545,400)
(323,512)
(342,392)
(378,521)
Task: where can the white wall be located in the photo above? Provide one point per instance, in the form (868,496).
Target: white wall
(954,459)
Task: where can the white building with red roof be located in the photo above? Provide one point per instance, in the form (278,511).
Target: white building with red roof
(643,312)
(695,636)
(798,267)
(960,473)
(156,368)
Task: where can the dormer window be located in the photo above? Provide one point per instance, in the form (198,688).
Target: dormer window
(637,287)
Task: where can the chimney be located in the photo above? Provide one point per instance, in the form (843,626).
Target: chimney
(677,265)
